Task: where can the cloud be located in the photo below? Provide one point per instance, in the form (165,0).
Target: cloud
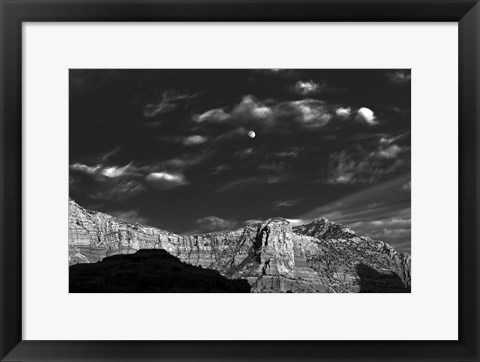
(374,205)
(286,203)
(250,151)
(293,152)
(164,181)
(234,133)
(357,164)
(399,77)
(119,190)
(109,155)
(123,182)
(396,232)
(168,101)
(343,112)
(308,112)
(296,222)
(248,183)
(131,216)
(386,217)
(91,170)
(101,171)
(184,161)
(219,169)
(275,167)
(271,116)
(250,108)
(243,183)
(214,223)
(407,186)
(194,140)
(112,182)
(391,151)
(213,115)
(116,171)
(252,222)
(308,87)
(367,115)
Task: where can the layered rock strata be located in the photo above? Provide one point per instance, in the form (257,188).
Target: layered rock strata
(272,256)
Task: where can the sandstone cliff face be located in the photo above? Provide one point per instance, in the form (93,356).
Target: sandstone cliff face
(318,257)
(353,262)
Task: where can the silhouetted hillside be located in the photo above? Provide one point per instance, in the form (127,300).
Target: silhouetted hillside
(149,271)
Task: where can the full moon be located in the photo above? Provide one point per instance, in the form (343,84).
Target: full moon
(251,134)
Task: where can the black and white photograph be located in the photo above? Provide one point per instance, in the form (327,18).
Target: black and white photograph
(239,181)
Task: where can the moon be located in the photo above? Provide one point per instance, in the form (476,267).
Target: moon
(251,134)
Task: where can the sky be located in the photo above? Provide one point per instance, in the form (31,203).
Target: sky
(200,150)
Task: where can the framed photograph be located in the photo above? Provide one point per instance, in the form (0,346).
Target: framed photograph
(255,181)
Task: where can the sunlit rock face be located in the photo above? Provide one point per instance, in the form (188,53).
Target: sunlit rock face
(347,258)
(272,256)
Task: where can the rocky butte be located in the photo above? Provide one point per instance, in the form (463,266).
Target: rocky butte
(272,256)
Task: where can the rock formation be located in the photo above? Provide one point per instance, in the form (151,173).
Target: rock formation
(149,271)
(272,256)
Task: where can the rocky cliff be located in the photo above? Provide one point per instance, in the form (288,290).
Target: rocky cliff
(272,256)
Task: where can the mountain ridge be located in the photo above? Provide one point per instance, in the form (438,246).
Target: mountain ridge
(273,256)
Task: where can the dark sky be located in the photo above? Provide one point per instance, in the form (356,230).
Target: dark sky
(171,148)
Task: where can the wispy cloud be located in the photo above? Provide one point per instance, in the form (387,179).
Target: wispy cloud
(184,161)
(400,77)
(387,216)
(116,171)
(123,182)
(219,169)
(250,151)
(273,116)
(192,140)
(248,109)
(119,190)
(251,108)
(296,222)
(214,223)
(100,171)
(308,87)
(292,152)
(358,164)
(91,170)
(168,101)
(285,203)
(304,113)
(164,181)
(248,183)
(311,113)
(131,216)
(212,115)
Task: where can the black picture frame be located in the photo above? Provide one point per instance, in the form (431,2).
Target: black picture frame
(14,12)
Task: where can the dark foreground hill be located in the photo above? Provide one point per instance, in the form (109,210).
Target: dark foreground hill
(321,256)
(149,271)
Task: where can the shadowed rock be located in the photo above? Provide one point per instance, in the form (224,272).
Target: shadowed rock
(372,281)
(149,271)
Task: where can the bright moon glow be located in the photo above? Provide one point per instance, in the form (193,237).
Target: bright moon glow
(251,134)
